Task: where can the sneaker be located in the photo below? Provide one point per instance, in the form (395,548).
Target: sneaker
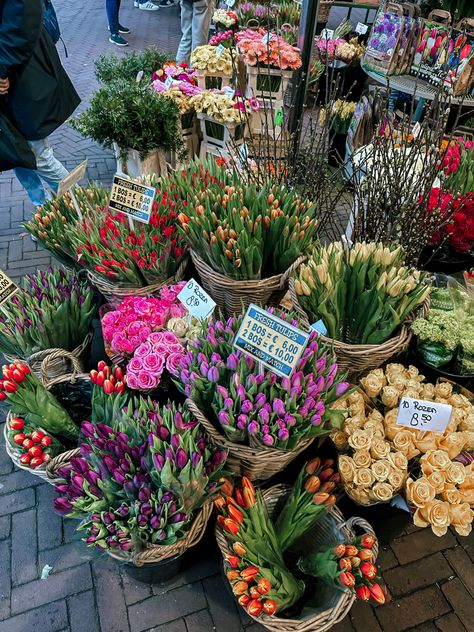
(136,4)
(118,40)
(165,4)
(148,6)
(123,29)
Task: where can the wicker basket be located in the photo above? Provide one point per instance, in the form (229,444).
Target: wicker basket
(234,296)
(358,359)
(117,291)
(256,463)
(329,530)
(154,552)
(39,471)
(59,361)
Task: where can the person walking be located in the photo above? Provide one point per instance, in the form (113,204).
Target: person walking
(195,22)
(37,92)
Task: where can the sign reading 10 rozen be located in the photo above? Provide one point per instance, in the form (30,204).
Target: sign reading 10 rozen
(271,341)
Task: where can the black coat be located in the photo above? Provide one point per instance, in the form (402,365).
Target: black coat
(41,96)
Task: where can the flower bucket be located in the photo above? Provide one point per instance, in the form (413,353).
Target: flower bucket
(333,604)
(263,121)
(135,167)
(212,80)
(267,83)
(234,296)
(157,572)
(222,135)
(256,463)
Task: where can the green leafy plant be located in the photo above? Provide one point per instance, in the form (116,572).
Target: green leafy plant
(110,67)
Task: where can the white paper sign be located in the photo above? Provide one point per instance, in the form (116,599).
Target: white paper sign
(168,82)
(72,178)
(230,3)
(361,28)
(196,300)
(266,38)
(7,288)
(220,50)
(422,415)
(229,92)
(327,34)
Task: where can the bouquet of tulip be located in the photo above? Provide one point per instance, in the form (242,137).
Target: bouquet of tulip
(28,398)
(255,407)
(53,309)
(249,232)
(347,566)
(273,51)
(459,166)
(108,392)
(140,480)
(161,351)
(457,232)
(264,14)
(340,115)
(136,317)
(207,58)
(223,109)
(256,569)
(362,294)
(35,446)
(289,13)
(228,19)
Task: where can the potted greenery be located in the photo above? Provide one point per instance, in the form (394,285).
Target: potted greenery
(110,67)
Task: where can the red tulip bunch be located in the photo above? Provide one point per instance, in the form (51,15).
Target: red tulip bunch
(108,392)
(349,565)
(260,579)
(36,446)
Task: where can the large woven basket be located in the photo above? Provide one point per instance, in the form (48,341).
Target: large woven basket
(256,463)
(358,359)
(58,361)
(154,552)
(234,296)
(117,291)
(329,530)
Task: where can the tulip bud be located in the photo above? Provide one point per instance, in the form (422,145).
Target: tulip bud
(240,587)
(18,376)
(340,550)
(270,606)
(345,564)
(100,379)
(326,474)
(368,540)
(365,555)
(232,575)
(363,592)
(377,593)
(232,560)
(263,586)
(10,387)
(239,549)
(313,465)
(93,376)
(235,514)
(108,387)
(351,550)
(243,600)
(254,607)
(249,573)
(368,570)
(320,498)
(312,484)
(355,562)
(347,579)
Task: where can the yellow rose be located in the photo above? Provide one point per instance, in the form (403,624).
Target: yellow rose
(360,495)
(443,389)
(427,392)
(439,517)
(396,478)
(363,477)
(382,492)
(357,420)
(403,442)
(467,496)
(355,398)
(381,469)
(420,517)
(350,426)
(414,373)
(379,448)
(390,396)
(461,517)
(467,423)
(393,369)
(360,440)
(375,428)
(398,460)
(339,438)
(419,492)
(372,385)
(427,442)
(460,401)
(434,460)
(452,445)
(346,468)
(438,480)
(390,422)
(452,495)
(362,458)
(375,415)
(399,383)
(455,473)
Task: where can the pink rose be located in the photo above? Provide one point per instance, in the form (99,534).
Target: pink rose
(169,338)
(108,332)
(155,337)
(177,310)
(143,350)
(134,328)
(144,332)
(176,348)
(160,348)
(135,340)
(154,362)
(135,364)
(147,380)
(109,318)
(132,381)
(173,363)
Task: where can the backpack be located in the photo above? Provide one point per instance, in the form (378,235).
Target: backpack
(50,21)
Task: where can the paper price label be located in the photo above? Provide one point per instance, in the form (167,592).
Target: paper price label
(230,3)
(72,178)
(220,50)
(278,121)
(135,200)
(422,415)
(139,76)
(271,341)
(196,300)
(319,327)
(361,28)
(168,82)
(327,34)
(267,38)
(229,92)
(7,288)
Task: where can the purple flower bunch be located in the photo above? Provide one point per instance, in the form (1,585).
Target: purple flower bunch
(140,481)
(162,350)
(254,408)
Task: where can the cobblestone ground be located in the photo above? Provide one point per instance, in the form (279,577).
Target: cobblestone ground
(430,578)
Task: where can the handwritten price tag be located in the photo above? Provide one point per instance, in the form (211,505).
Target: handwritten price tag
(229,92)
(327,34)
(7,288)
(230,3)
(131,198)
(198,302)
(423,415)
(168,82)
(271,341)
(361,28)
(220,50)
(267,38)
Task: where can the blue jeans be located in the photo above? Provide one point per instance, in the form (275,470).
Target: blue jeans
(112,8)
(48,168)
(195,21)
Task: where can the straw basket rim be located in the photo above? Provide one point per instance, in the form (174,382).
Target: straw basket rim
(328,618)
(39,471)
(257,463)
(120,290)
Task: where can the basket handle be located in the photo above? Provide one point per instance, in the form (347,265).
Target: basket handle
(285,276)
(55,355)
(355,521)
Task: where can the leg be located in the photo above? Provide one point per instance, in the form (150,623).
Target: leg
(112,9)
(202,14)
(184,49)
(31,182)
(47,166)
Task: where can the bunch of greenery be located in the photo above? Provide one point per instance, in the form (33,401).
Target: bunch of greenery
(110,67)
(132,115)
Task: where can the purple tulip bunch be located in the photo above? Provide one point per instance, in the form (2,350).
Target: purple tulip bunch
(139,481)
(260,409)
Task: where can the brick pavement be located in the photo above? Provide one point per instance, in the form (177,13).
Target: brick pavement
(430,578)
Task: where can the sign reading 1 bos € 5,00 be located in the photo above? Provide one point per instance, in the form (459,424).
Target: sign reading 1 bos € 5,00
(131,198)
(271,341)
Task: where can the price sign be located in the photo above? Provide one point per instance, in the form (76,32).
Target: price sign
(229,92)
(423,415)
(230,3)
(271,341)
(361,28)
(7,288)
(168,82)
(72,178)
(327,34)
(266,38)
(198,303)
(135,200)
(220,50)
(320,327)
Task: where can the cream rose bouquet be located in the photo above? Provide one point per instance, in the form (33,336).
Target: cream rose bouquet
(208,58)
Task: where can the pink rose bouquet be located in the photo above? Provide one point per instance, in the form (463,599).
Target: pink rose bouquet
(161,351)
(276,52)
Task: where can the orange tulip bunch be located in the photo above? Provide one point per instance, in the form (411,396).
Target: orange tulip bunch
(260,579)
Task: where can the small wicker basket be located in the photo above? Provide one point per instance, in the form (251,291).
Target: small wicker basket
(59,361)
(234,296)
(154,552)
(358,359)
(329,530)
(256,463)
(114,292)
(39,471)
